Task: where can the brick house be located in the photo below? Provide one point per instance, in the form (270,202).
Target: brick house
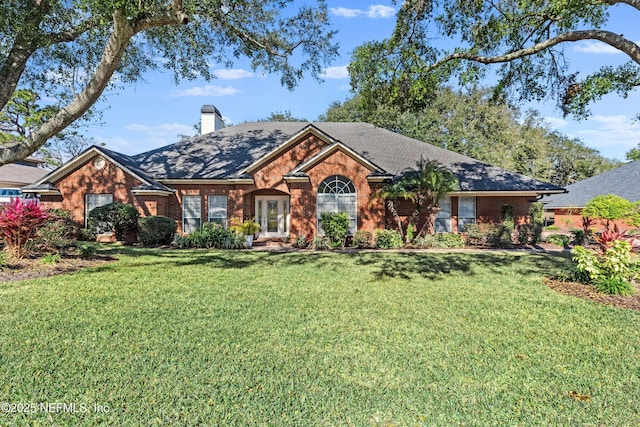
(565,209)
(284,175)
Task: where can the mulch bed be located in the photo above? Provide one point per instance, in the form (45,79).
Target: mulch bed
(34,268)
(587,292)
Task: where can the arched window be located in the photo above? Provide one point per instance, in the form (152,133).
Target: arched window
(337,194)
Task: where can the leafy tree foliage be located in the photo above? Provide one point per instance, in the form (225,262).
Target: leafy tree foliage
(283,116)
(473,124)
(633,155)
(525,38)
(72,51)
(609,208)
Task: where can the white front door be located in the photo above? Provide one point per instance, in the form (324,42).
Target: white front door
(272,213)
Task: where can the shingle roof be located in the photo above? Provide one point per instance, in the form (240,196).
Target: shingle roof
(228,152)
(622,181)
(20,174)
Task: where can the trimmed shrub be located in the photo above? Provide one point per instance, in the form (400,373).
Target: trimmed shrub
(476,235)
(19,222)
(500,236)
(336,227)
(388,239)
(114,217)
(211,235)
(439,240)
(362,240)
(58,232)
(156,230)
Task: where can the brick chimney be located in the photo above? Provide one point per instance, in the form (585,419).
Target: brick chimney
(210,119)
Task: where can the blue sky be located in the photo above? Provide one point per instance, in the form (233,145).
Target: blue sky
(155,111)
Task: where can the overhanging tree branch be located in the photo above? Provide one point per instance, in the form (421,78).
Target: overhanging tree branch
(612,39)
(119,39)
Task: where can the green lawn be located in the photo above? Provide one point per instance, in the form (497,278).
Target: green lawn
(315,338)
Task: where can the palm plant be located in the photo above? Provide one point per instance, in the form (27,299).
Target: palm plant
(427,185)
(391,193)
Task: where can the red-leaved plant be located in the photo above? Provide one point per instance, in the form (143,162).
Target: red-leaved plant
(606,239)
(19,222)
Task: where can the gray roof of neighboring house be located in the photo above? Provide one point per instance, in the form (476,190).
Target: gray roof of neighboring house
(20,174)
(623,181)
(226,153)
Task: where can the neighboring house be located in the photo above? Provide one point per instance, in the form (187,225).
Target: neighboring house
(16,175)
(565,208)
(283,174)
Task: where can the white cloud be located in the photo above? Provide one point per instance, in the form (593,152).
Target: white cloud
(232,74)
(374,11)
(208,90)
(339,72)
(610,134)
(597,47)
(555,122)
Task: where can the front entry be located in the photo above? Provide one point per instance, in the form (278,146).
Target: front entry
(272,213)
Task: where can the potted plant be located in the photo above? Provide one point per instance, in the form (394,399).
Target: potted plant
(248,227)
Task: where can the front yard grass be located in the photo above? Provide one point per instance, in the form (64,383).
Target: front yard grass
(166,337)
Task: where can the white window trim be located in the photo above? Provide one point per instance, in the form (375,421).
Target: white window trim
(461,218)
(444,216)
(184,218)
(100,203)
(353,216)
(218,209)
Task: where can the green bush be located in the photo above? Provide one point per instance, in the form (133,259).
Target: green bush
(525,234)
(606,271)
(51,259)
(211,235)
(613,286)
(114,217)
(536,221)
(578,236)
(551,228)
(475,234)
(500,236)
(440,240)
(88,235)
(388,239)
(3,260)
(156,230)
(86,250)
(301,242)
(336,227)
(58,232)
(561,240)
(362,240)
(320,243)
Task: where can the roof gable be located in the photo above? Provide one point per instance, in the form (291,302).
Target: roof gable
(621,181)
(123,161)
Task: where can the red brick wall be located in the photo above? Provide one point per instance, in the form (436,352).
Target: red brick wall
(568,219)
(89,180)
(488,208)
(370,215)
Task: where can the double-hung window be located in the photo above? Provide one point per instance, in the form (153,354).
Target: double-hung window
(191,213)
(443,219)
(466,212)
(218,210)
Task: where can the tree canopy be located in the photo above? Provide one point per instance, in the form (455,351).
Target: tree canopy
(471,123)
(70,51)
(525,38)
